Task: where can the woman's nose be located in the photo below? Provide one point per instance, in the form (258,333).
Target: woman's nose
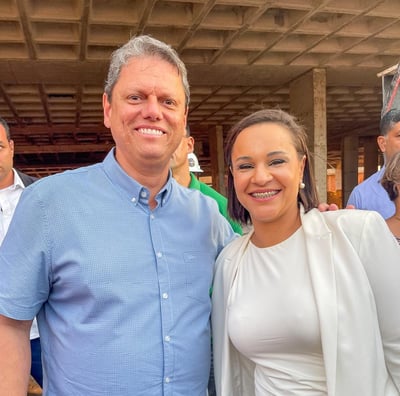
(261,175)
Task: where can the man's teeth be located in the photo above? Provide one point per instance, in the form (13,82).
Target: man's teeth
(148,131)
(264,194)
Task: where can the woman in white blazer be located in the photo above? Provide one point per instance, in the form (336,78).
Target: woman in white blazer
(307,303)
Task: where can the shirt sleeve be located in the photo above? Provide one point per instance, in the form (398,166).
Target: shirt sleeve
(24,258)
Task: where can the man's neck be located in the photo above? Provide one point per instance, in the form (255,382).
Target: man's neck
(8,180)
(182,177)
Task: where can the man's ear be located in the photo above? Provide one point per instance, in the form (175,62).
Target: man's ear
(11,143)
(381,140)
(106,111)
(190,144)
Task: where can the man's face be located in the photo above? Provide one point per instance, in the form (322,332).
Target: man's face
(179,158)
(390,144)
(147,114)
(6,159)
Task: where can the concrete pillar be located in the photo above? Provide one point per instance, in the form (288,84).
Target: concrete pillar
(216,140)
(349,166)
(308,103)
(371,156)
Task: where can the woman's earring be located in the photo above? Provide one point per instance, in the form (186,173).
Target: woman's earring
(302,185)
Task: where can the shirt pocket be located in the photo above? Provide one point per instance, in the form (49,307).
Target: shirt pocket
(199,272)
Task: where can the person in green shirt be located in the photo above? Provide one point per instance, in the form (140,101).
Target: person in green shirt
(183,165)
(182,174)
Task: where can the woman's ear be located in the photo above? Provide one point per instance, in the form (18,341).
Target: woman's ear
(302,166)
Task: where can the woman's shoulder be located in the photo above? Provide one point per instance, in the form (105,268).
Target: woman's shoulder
(353,223)
(347,221)
(232,249)
(359,215)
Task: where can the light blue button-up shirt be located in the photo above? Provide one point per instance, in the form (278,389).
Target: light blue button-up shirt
(121,291)
(370,195)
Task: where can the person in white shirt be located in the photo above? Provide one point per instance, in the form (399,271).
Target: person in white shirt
(12,183)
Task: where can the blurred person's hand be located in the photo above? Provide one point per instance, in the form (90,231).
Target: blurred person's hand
(325,207)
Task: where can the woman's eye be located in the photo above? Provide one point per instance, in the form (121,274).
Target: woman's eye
(245,166)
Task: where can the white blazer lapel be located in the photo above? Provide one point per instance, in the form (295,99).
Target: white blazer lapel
(322,272)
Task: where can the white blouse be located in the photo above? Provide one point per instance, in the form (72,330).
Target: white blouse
(273,321)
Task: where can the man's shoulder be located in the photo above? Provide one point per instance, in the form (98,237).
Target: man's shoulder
(69,179)
(194,194)
(368,190)
(371,180)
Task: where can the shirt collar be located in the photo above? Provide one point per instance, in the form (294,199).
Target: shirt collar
(17,181)
(132,189)
(379,174)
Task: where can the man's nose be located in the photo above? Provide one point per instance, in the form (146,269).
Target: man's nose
(152,108)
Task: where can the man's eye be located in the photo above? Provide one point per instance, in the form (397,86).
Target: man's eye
(277,162)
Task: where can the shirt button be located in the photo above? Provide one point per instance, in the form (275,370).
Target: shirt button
(167,338)
(133,199)
(165,296)
(167,380)
(143,194)
(159,254)
(152,217)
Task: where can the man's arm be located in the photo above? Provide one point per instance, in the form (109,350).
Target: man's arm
(15,357)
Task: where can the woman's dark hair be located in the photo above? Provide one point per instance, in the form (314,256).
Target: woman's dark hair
(391,177)
(308,196)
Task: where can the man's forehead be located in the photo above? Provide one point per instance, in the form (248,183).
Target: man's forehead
(395,128)
(156,71)
(3,134)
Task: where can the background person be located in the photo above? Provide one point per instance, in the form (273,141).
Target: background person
(181,162)
(182,174)
(12,183)
(304,304)
(120,256)
(370,194)
(391,183)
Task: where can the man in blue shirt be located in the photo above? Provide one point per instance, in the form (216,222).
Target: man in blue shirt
(12,183)
(370,195)
(120,258)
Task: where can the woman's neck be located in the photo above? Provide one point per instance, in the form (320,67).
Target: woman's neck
(268,234)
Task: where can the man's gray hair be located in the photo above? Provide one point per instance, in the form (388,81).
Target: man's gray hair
(144,46)
(3,122)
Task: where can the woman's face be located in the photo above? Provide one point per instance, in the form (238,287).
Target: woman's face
(267,171)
